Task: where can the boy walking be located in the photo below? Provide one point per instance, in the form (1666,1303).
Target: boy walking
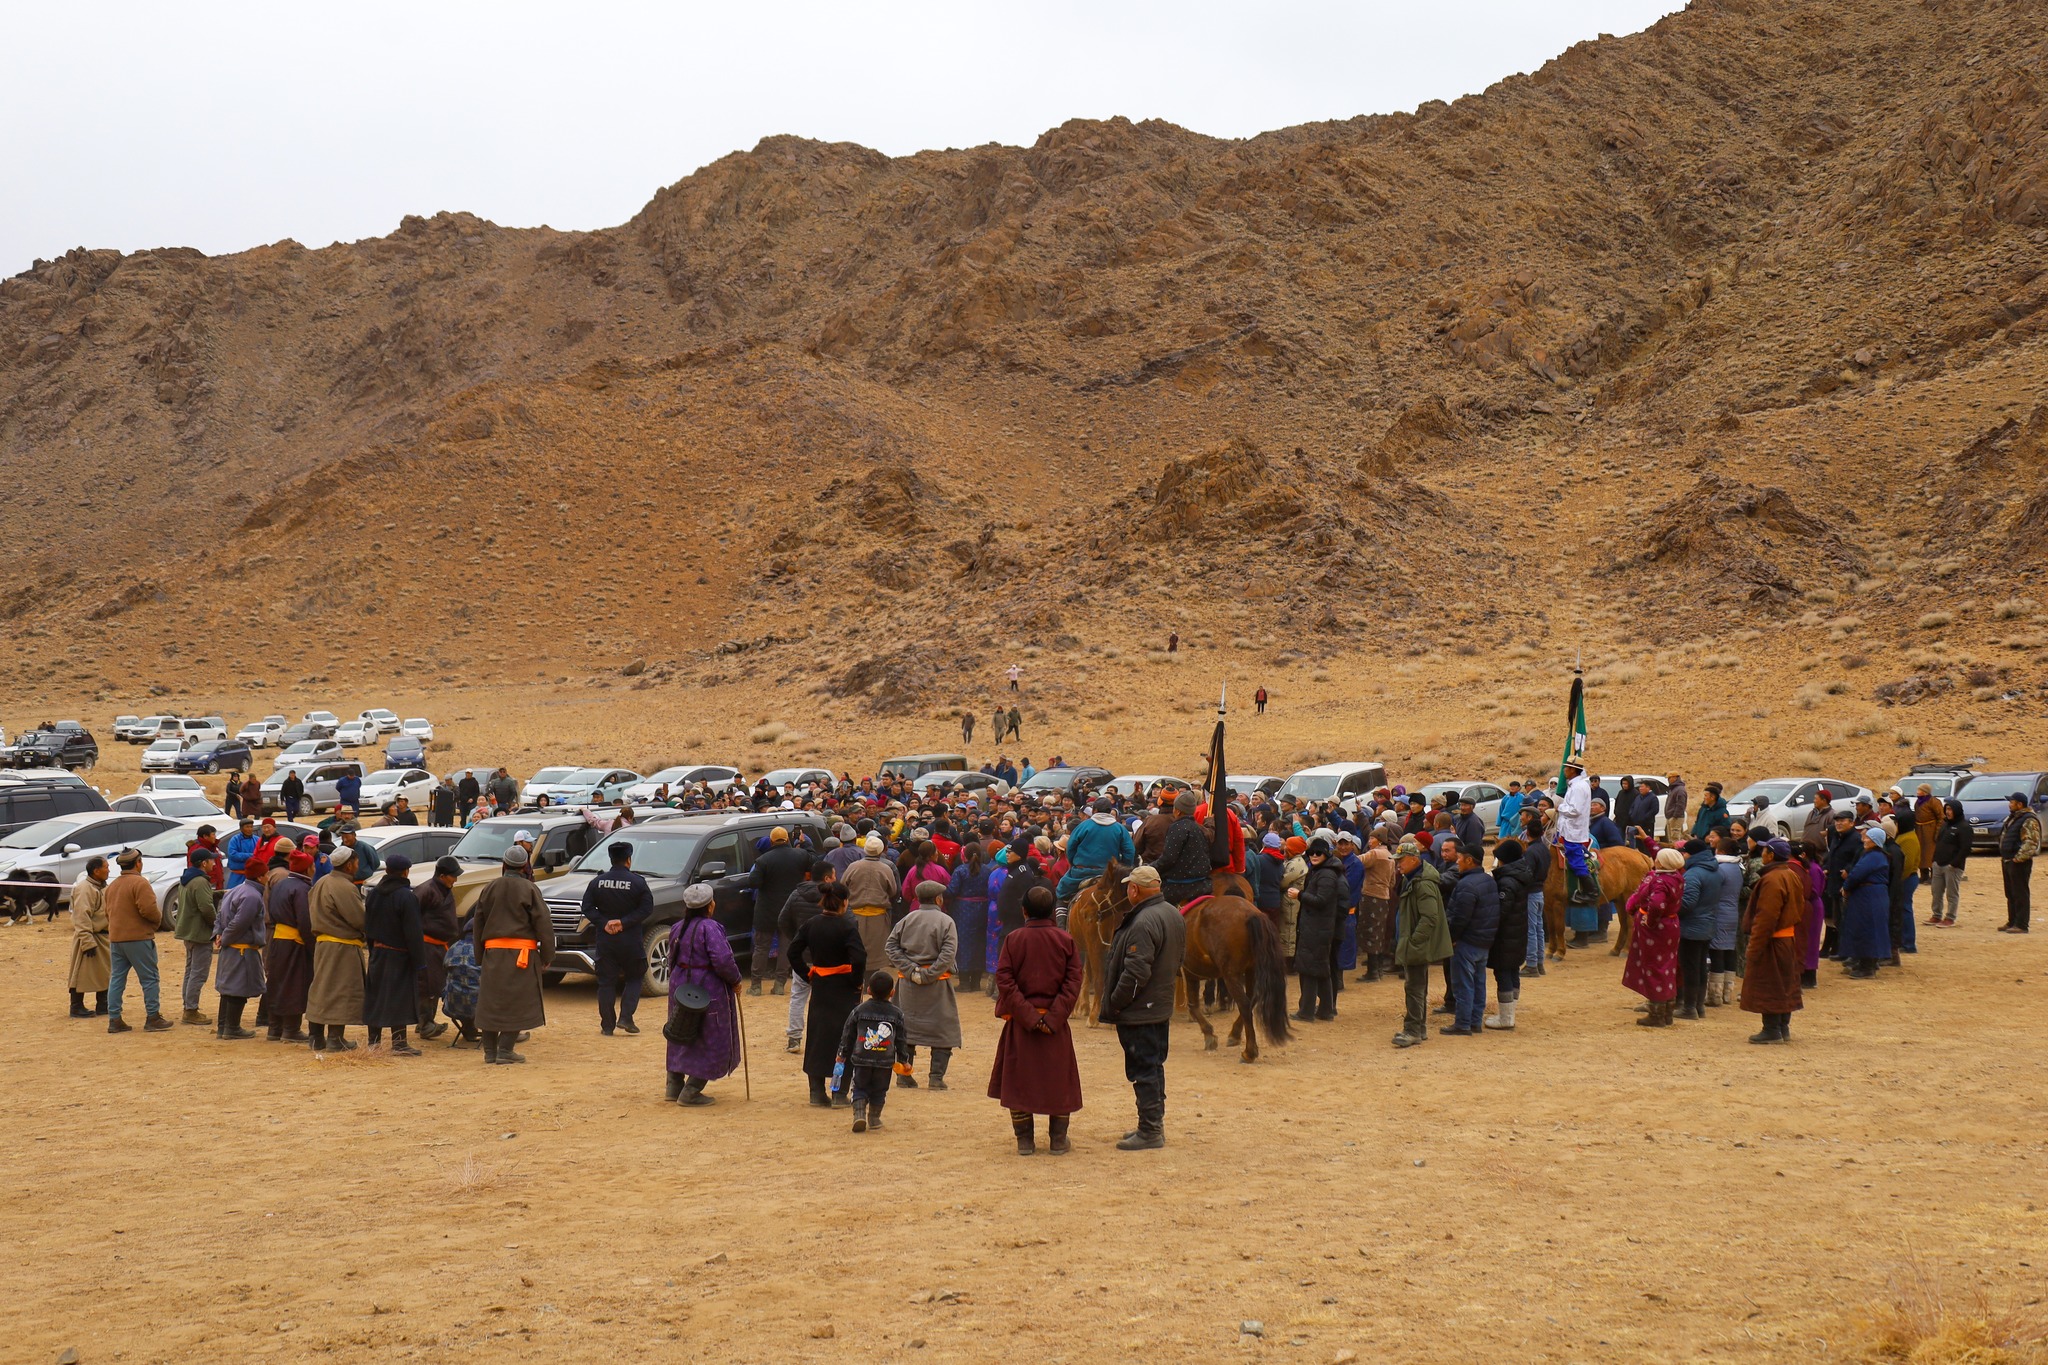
(871,1046)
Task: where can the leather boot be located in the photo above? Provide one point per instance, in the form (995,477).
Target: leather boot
(317,1035)
(506,1056)
(942,1057)
(195,1017)
(231,1019)
(819,1099)
(337,1039)
(292,1032)
(399,1047)
(1585,889)
(775,986)
(78,1009)
(99,1004)
(860,1116)
(675,1086)
(693,1093)
(1149,1137)
(1056,1135)
(490,1048)
(1022,1126)
(156,1023)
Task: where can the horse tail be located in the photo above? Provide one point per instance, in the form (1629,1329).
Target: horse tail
(1269,978)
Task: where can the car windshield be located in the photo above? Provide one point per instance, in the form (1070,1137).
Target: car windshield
(1773,793)
(386,777)
(1311,786)
(547,777)
(585,777)
(205,747)
(487,842)
(185,805)
(782,775)
(1994,786)
(1053,779)
(654,855)
(179,784)
(669,775)
(41,832)
(304,746)
(126,720)
(167,746)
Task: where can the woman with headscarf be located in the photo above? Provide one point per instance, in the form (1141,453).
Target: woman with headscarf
(1865,932)
(1038,980)
(1770,976)
(967,901)
(699,956)
(1652,967)
(391,924)
(829,954)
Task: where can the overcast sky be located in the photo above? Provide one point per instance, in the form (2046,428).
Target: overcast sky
(227,125)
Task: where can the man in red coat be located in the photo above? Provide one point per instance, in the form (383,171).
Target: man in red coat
(1236,863)
(1038,980)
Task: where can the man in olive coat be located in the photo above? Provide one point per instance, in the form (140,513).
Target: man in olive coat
(336,998)
(514,941)
(1422,937)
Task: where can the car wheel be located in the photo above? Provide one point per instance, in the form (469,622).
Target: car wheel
(212,768)
(656,980)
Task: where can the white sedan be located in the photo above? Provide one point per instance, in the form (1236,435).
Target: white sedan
(382,788)
(354,734)
(162,753)
(419,727)
(306,751)
(384,722)
(261,734)
(1789,799)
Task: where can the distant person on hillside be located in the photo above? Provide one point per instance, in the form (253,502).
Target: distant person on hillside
(967,728)
(1260,698)
(1016,721)
(1016,671)
(1173,642)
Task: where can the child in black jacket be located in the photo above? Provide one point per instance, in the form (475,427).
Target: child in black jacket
(870,1047)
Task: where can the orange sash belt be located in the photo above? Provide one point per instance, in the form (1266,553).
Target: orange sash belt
(841,970)
(942,976)
(437,942)
(1793,932)
(286,931)
(524,945)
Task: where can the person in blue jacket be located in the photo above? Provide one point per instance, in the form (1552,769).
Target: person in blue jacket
(1865,933)
(1696,907)
(1092,846)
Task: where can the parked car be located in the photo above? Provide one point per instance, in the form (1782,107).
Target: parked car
(162,754)
(306,751)
(1334,782)
(419,727)
(482,773)
(583,787)
(137,729)
(1984,802)
(215,755)
(671,854)
(326,718)
(1244,784)
(175,804)
(798,777)
(57,747)
(532,787)
(163,855)
(382,789)
(969,782)
(1486,798)
(1788,799)
(35,794)
(422,844)
(1066,780)
(1941,779)
(354,734)
(303,731)
(1143,786)
(383,721)
(404,751)
(260,734)
(713,777)
(182,784)
(54,851)
(909,767)
(559,840)
(319,778)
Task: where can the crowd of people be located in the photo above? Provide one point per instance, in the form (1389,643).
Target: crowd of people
(912,899)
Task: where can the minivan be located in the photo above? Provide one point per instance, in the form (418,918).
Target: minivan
(42,794)
(910,767)
(1334,782)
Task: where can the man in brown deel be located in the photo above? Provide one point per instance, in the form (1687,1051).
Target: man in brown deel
(515,941)
(133,917)
(336,998)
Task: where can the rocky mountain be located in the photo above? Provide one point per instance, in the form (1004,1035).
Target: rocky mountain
(1729,331)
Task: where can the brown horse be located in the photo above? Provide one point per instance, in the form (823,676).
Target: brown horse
(1097,909)
(1231,940)
(1621,871)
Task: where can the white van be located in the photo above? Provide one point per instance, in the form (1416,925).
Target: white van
(1334,782)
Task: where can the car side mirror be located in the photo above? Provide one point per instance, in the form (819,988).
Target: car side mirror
(711,872)
(70,849)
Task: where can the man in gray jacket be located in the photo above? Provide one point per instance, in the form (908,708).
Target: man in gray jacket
(1674,808)
(1142,965)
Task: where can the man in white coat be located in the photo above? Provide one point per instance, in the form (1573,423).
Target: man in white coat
(1575,833)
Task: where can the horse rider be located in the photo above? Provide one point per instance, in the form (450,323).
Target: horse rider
(1575,833)
(1092,846)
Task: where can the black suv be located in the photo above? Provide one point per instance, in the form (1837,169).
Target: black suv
(671,852)
(29,797)
(60,747)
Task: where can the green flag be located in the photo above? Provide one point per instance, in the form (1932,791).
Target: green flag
(1575,729)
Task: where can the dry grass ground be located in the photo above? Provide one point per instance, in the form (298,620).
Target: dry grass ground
(1580,1190)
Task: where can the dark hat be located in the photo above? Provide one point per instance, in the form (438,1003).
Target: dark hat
(398,865)
(2020,797)
(1102,805)
(447,867)
(1319,847)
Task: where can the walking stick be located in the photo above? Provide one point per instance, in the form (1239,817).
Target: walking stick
(746,1072)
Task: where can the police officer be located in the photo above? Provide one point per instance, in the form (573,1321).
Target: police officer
(617,905)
